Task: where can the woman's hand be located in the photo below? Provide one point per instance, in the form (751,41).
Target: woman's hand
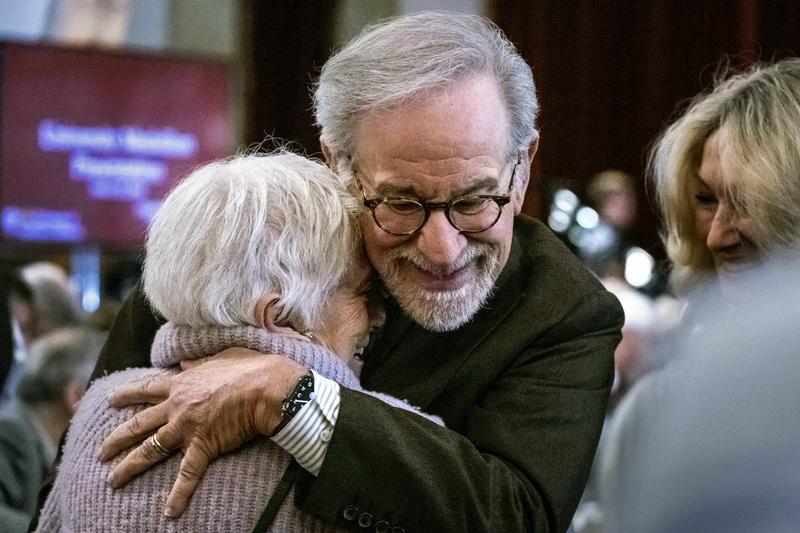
(214,406)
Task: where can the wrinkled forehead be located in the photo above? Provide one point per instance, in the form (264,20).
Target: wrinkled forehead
(464,120)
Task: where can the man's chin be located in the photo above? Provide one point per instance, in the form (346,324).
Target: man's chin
(443,302)
(442,311)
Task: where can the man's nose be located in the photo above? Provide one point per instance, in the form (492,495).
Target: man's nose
(439,241)
(723,232)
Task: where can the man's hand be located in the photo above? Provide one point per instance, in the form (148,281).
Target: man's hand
(212,407)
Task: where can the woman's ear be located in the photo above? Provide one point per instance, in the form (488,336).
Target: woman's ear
(266,312)
(331,155)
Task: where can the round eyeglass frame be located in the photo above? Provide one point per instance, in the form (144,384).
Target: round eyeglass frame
(500,200)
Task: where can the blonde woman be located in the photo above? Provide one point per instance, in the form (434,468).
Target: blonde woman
(727,175)
(727,180)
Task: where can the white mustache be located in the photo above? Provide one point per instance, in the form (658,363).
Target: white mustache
(471,253)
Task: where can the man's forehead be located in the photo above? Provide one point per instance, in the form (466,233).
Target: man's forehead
(446,167)
(466,120)
(437,179)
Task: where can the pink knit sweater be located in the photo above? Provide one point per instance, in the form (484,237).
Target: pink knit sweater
(236,487)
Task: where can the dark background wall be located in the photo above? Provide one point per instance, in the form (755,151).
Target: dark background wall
(284,43)
(612,74)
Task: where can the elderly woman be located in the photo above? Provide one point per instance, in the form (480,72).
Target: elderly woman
(260,252)
(727,178)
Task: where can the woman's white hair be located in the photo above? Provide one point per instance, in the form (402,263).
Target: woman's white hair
(236,230)
(395,61)
(757,115)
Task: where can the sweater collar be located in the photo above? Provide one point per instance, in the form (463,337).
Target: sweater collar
(174,343)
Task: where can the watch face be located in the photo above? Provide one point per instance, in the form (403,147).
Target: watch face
(300,395)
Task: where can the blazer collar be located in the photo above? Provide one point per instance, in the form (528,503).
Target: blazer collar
(415,364)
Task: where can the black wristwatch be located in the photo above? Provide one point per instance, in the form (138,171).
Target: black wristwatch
(301,394)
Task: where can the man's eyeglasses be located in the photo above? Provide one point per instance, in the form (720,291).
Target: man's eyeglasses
(471,213)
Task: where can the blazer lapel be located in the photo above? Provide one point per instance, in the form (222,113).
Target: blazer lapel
(415,364)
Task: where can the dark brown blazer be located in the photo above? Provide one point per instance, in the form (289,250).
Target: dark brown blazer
(522,389)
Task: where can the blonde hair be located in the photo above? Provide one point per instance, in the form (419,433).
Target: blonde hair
(237,229)
(757,116)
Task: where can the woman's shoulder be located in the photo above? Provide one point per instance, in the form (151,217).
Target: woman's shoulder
(95,417)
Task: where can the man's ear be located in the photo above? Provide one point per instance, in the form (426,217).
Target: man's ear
(524,174)
(266,311)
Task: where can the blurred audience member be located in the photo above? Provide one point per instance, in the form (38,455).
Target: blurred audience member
(613,196)
(54,302)
(53,379)
(16,312)
(727,177)
(713,444)
(41,301)
(635,355)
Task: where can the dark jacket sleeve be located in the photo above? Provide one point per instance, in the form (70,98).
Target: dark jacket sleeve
(518,458)
(131,336)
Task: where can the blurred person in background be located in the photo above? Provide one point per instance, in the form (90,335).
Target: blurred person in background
(647,319)
(612,194)
(634,356)
(713,444)
(54,302)
(54,377)
(16,308)
(41,301)
(727,180)
(286,276)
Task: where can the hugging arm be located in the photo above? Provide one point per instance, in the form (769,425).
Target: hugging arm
(517,460)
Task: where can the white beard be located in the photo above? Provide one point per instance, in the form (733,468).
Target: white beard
(444,310)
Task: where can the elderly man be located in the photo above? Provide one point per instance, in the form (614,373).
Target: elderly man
(491,323)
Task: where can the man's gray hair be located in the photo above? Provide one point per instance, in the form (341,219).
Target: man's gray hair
(57,359)
(236,230)
(396,61)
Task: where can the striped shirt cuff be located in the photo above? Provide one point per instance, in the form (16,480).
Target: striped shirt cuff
(307,435)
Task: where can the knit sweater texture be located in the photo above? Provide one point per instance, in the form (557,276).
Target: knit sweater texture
(236,487)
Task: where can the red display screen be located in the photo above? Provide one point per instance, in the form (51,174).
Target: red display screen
(91,140)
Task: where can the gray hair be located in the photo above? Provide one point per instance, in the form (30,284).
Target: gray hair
(236,230)
(396,61)
(53,301)
(757,114)
(61,357)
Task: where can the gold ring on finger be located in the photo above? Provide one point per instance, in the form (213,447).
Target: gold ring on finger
(156,445)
